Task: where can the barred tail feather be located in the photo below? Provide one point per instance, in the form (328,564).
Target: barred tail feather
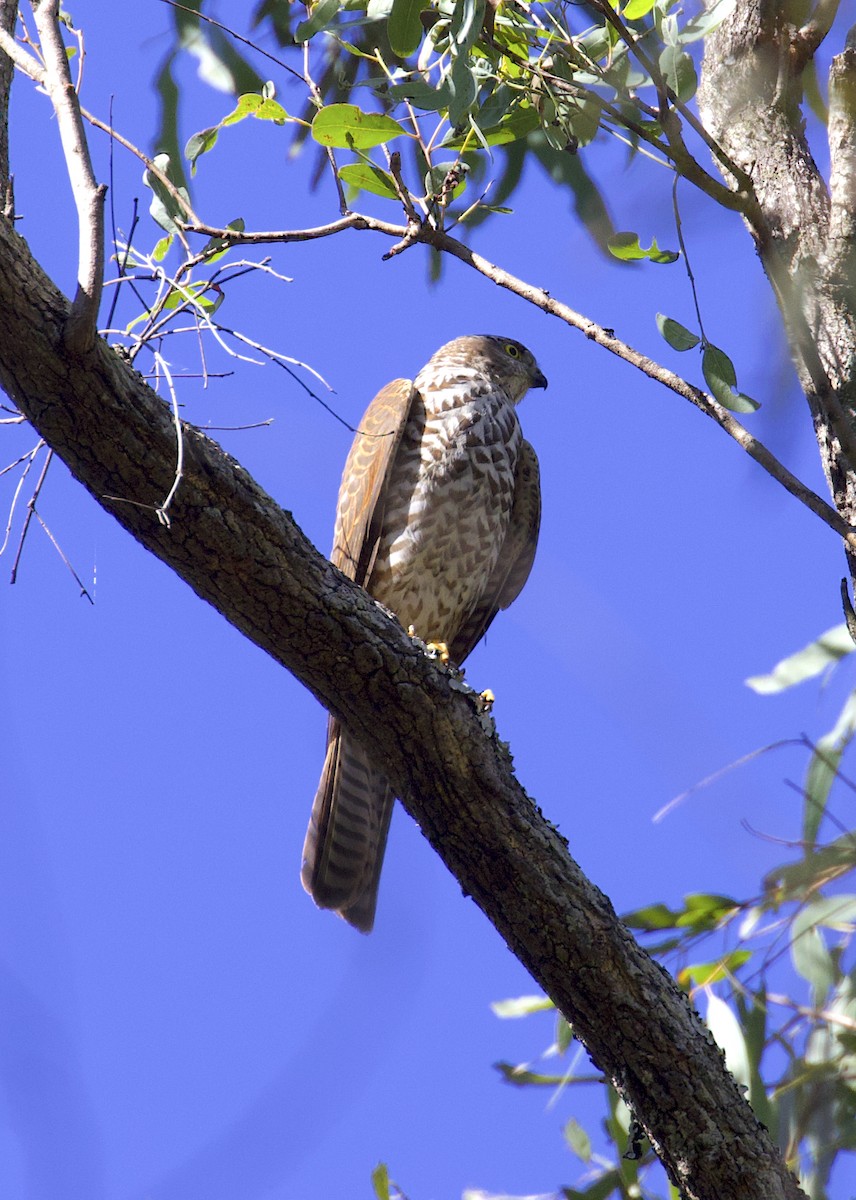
(346,838)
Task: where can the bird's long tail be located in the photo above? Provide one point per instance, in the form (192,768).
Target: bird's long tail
(346,838)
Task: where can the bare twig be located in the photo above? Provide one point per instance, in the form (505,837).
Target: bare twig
(81,326)
(58,548)
(31,508)
(162,510)
(29,458)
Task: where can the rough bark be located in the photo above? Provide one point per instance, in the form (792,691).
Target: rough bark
(750,100)
(239,551)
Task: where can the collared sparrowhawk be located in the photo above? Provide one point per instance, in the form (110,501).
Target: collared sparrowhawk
(438,517)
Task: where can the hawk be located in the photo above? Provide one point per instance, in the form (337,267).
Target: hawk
(438,517)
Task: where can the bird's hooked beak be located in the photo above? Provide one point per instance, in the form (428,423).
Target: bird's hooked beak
(539,379)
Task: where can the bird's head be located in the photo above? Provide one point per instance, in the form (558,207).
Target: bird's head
(500,358)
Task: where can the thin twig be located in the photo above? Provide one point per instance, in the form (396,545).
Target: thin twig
(31,508)
(56,546)
(30,458)
(162,510)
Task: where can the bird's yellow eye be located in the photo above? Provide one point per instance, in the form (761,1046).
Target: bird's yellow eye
(511,350)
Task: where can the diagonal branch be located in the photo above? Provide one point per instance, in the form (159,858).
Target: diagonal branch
(240,552)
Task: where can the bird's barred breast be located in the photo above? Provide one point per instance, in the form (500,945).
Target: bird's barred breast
(446,522)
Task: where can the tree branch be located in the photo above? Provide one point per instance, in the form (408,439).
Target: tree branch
(88,194)
(240,552)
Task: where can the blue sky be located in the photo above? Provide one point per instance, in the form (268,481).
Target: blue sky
(181,1022)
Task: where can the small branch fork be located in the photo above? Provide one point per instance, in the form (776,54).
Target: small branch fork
(82,324)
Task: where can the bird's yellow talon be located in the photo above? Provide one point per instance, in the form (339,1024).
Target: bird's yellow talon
(439,650)
(487,699)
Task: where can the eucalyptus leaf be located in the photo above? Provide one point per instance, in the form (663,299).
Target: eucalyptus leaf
(404,28)
(721,378)
(677,335)
(625,246)
(366,177)
(319,18)
(827,650)
(344,125)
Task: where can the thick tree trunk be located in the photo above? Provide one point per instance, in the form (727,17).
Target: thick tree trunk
(750,100)
(239,551)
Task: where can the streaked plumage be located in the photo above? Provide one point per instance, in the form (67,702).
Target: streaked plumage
(438,519)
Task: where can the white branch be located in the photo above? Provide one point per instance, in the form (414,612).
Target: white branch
(88,194)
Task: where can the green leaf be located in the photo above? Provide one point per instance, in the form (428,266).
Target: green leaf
(653,916)
(578,1140)
(322,14)
(519,123)
(200,144)
(637,9)
(625,246)
(721,378)
(704,974)
(677,335)
(828,649)
(380,1181)
(404,28)
(466,22)
(521,1076)
(421,94)
(679,72)
(216,247)
(162,248)
(345,126)
(463,90)
(165,208)
(366,177)
(436,177)
(521,1006)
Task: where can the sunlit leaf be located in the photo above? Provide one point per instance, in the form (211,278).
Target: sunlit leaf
(380,1181)
(637,9)
(625,246)
(825,651)
(653,916)
(703,974)
(366,177)
(521,1006)
(345,125)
